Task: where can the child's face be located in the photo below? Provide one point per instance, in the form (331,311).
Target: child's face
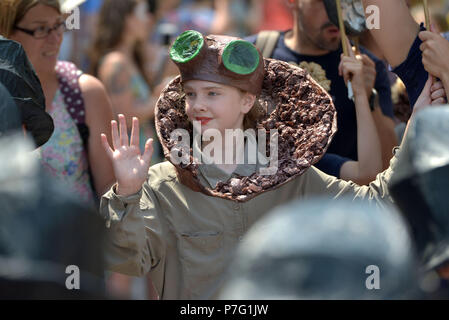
(216,106)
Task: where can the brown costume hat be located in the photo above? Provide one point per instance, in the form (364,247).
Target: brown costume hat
(221,59)
(299,108)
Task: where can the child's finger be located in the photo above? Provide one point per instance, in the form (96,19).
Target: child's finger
(115,135)
(135,139)
(124,140)
(148,153)
(106,146)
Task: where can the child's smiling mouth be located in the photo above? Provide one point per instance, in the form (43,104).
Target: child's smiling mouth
(203,120)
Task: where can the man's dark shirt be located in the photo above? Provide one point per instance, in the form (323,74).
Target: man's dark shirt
(344,145)
(412,71)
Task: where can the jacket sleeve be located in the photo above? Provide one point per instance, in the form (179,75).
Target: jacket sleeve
(135,243)
(316,183)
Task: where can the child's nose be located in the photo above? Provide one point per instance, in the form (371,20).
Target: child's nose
(199,105)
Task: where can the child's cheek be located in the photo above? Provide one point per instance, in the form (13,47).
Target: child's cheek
(188,112)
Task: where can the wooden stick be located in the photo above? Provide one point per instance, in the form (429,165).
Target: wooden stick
(341,24)
(427,14)
(357,45)
(343,43)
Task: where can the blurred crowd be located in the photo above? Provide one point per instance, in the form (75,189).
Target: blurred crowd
(118,62)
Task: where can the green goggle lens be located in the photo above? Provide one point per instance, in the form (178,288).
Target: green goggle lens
(187,46)
(240,57)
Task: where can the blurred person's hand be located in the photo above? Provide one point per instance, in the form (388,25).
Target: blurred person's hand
(130,167)
(432,94)
(369,72)
(353,69)
(435,53)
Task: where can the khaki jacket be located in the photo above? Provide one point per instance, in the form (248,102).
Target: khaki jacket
(186,240)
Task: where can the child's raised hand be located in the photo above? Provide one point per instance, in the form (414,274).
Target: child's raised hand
(435,50)
(130,167)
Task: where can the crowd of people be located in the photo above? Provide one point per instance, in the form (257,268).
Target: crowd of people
(101,104)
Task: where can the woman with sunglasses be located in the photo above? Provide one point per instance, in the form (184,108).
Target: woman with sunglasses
(77,102)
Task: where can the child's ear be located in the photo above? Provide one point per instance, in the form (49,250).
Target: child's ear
(248,102)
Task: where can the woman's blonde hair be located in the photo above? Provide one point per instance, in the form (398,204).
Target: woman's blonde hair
(12,11)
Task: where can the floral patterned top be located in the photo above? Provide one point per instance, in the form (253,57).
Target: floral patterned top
(63,156)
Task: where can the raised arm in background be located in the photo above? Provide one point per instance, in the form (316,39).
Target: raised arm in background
(369,162)
(398,29)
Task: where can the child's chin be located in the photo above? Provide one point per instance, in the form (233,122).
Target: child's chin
(205,127)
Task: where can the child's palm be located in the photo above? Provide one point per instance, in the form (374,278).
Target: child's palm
(130,166)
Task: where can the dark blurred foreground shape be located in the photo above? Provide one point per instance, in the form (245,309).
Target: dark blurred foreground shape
(43,229)
(325,249)
(321,249)
(420,185)
(9,114)
(19,78)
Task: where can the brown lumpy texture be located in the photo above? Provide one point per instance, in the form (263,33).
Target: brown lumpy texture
(295,106)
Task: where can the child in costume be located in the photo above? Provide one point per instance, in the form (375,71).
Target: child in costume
(182,221)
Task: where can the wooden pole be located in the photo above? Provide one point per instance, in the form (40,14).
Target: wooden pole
(357,45)
(427,14)
(341,24)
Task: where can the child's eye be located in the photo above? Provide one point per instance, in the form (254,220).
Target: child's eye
(190,94)
(213,93)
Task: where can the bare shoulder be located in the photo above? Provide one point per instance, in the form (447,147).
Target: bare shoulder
(91,86)
(113,60)
(114,57)
(115,73)
(96,100)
